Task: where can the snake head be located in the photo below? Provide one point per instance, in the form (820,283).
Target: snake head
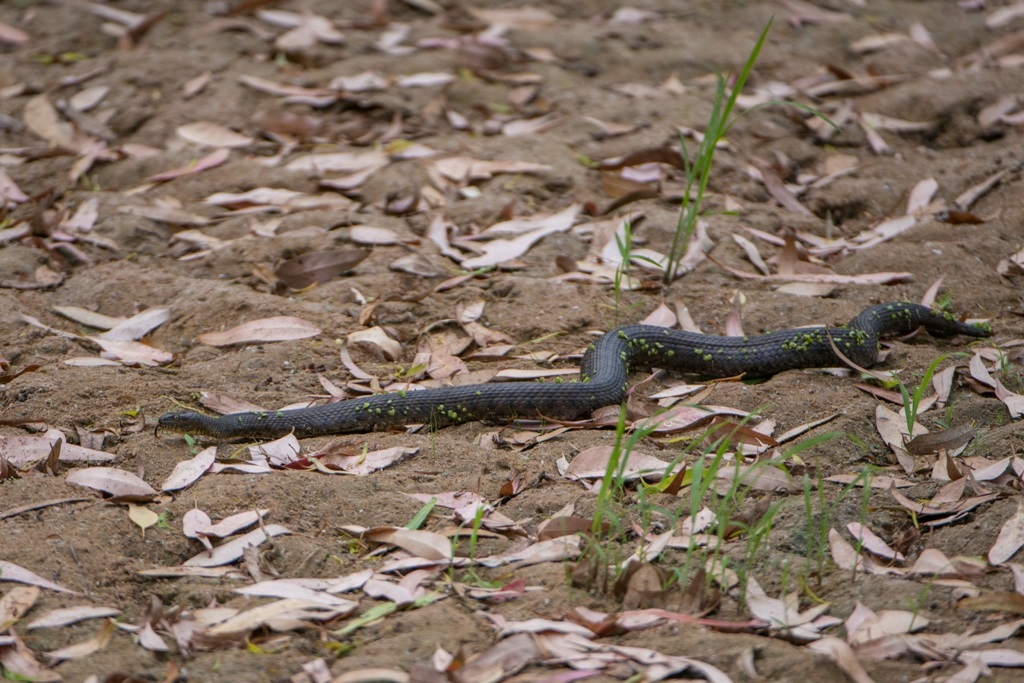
(181,423)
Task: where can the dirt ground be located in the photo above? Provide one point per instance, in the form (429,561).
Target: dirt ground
(656,73)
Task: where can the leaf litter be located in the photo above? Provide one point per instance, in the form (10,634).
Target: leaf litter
(515,236)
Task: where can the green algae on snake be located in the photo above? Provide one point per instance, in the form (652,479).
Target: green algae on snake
(603,377)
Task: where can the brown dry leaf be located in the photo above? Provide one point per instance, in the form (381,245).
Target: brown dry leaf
(19,662)
(135,327)
(975,192)
(464,170)
(16,603)
(997,602)
(501,660)
(871,542)
(500,250)
(592,463)
(681,418)
(278,453)
(564,526)
(532,126)
(1014,402)
(375,236)
(232,550)
(117,483)
(556,222)
(777,188)
(645,586)
(280,328)
(165,214)
(187,472)
(12,572)
(211,160)
(310,590)
(132,352)
(364,463)
(846,556)
(525,18)
(66,616)
(945,440)
(783,614)
(844,657)
(10,193)
(12,35)
(825,278)
(318,267)
(1010,539)
(553,550)
(424,544)
(377,341)
(281,615)
(339,162)
(196,528)
(42,119)
(22,451)
(753,255)
(305,30)
(892,427)
(209,134)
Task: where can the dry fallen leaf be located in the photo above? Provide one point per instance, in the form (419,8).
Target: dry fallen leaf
(187,472)
(66,616)
(318,267)
(231,550)
(12,572)
(280,328)
(211,134)
(117,483)
(424,544)
(142,516)
(1010,539)
(15,603)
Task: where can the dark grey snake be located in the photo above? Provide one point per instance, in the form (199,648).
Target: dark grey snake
(602,381)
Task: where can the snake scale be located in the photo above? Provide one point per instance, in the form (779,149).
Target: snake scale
(603,377)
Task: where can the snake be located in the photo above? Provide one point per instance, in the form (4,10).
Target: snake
(603,377)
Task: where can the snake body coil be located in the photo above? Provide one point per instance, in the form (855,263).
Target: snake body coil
(603,376)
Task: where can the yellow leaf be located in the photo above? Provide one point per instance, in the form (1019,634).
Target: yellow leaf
(143,516)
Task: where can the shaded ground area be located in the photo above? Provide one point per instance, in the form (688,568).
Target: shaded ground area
(921,90)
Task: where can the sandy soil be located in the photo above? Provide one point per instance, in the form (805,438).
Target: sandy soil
(94,548)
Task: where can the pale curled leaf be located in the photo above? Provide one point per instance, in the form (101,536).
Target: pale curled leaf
(211,160)
(593,462)
(424,544)
(226,526)
(133,352)
(280,328)
(873,543)
(340,162)
(186,472)
(844,657)
(15,603)
(378,341)
(24,450)
(66,616)
(12,572)
(232,550)
(211,134)
(1010,539)
(116,482)
(137,326)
